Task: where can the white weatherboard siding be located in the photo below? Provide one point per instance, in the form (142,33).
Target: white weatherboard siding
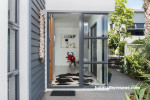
(81,5)
(24,50)
(3,49)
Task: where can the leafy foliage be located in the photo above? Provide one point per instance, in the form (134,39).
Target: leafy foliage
(136,66)
(138,41)
(145,52)
(139,62)
(113,41)
(121,47)
(121,18)
(140,94)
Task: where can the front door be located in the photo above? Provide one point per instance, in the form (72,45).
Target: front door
(63,69)
(50,49)
(77,56)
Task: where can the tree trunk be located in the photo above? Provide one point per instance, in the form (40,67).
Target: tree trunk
(147,17)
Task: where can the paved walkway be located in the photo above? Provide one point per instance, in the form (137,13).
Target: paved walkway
(118,79)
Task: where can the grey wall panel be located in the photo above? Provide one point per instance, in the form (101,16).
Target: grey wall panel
(139,18)
(37,68)
(35,63)
(35,35)
(34,56)
(35,22)
(35,50)
(35,42)
(35,29)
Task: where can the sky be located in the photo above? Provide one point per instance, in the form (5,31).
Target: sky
(135,4)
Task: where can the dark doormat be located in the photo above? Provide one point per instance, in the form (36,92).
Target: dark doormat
(62,93)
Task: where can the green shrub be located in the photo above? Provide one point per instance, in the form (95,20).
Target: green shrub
(121,47)
(113,41)
(122,70)
(138,41)
(145,48)
(136,66)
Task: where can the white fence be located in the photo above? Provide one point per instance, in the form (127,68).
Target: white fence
(127,50)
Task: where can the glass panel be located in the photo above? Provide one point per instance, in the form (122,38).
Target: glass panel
(95,50)
(94,74)
(111,26)
(139,25)
(65,50)
(11,50)
(136,32)
(13,84)
(97,25)
(12,10)
(133,26)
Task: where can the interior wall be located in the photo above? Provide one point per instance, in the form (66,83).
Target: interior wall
(86,41)
(65,26)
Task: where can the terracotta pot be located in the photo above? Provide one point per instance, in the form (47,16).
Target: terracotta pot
(131,96)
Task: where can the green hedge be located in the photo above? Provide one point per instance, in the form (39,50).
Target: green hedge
(138,41)
(136,66)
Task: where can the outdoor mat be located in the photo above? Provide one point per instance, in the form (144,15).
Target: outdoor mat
(62,93)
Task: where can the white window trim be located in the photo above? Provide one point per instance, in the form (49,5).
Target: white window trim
(3,49)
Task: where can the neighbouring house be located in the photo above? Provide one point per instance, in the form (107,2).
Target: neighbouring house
(138,29)
(52,44)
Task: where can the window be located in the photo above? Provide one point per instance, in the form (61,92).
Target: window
(13,88)
(140,25)
(12,50)
(136,32)
(111,26)
(137,29)
(13,68)
(12,10)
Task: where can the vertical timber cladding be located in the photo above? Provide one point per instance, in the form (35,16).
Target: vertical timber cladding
(51,50)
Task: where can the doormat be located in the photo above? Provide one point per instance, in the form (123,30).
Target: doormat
(62,93)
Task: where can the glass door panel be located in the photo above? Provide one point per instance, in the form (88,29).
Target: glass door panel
(95,49)
(64,50)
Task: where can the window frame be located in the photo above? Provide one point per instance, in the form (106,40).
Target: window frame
(15,26)
(16,22)
(136,29)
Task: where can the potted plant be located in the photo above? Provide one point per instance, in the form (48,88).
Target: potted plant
(109,75)
(139,94)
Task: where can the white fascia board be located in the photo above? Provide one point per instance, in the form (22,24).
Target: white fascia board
(24,49)
(3,49)
(138,10)
(104,6)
